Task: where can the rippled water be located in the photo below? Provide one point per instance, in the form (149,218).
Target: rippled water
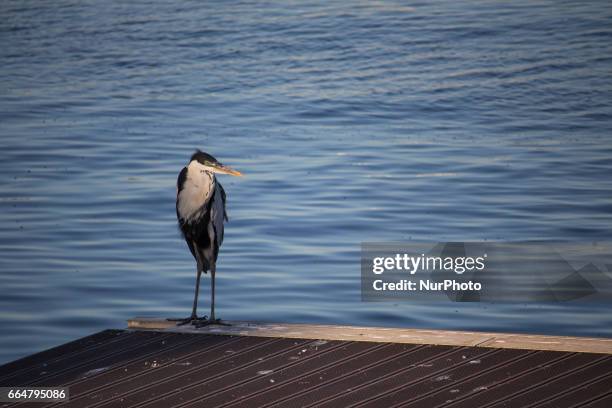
(353,122)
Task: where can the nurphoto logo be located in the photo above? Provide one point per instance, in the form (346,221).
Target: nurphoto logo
(486,271)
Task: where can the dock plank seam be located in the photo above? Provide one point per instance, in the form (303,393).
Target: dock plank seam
(454,350)
(282,351)
(188,371)
(307,373)
(569,390)
(192,341)
(417,381)
(342,376)
(548,380)
(65,370)
(469,377)
(58,359)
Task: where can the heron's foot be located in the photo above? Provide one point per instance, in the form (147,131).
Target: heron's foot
(191,319)
(209,322)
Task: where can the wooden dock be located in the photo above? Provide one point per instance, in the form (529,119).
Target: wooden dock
(155,363)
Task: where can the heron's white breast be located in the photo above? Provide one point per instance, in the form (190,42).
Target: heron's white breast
(197,190)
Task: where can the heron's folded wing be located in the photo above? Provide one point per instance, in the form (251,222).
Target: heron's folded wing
(217,215)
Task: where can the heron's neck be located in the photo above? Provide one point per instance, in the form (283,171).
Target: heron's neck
(197,189)
(200,179)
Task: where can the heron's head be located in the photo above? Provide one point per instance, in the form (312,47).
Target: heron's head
(205,162)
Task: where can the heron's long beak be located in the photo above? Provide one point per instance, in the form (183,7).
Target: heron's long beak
(222,169)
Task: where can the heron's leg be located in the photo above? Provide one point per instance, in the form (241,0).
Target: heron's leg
(213,267)
(199,269)
(194,314)
(212,320)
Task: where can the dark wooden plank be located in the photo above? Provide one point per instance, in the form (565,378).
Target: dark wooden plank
(574,377)
(37,361)
(190,369)
(600,402)
(283,369)
(288,386)
(398,392)
(474,372)
(401,372)
(171,382)
(464,387)
(222,388)
(532,379)
(210,350)
(69,368)
(178,352)
(579,395)
(125,366)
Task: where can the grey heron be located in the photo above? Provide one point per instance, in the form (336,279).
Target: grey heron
(200,210)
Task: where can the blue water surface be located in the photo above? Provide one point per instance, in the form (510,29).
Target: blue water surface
(353,121)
